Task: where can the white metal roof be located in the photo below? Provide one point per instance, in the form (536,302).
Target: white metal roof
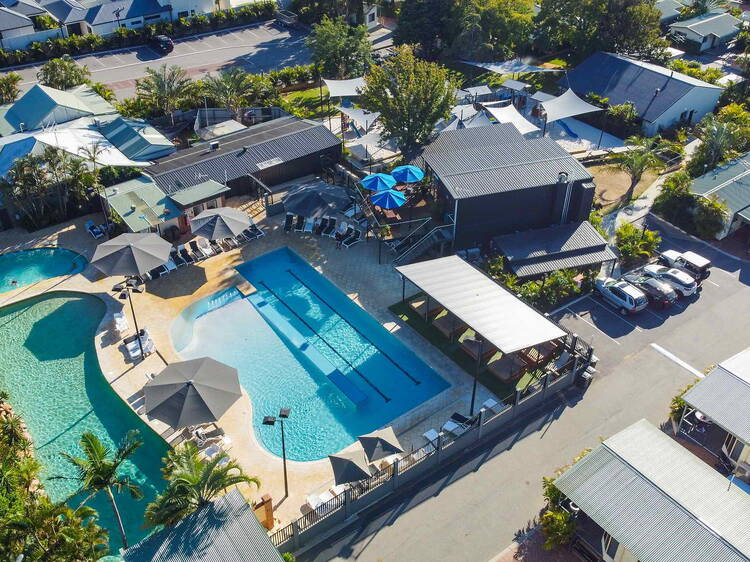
(567,105)
(344,88)
(511,67)
(515,85)
(361,117)
(500,317)
(509,114)
(659,500)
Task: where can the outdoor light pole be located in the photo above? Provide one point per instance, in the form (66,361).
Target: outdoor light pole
(131,286)
(271,420)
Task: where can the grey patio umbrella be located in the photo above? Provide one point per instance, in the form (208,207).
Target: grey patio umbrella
(224,222)
(350,466)
(131,254)
(192,392)
(316,200)
(380,444)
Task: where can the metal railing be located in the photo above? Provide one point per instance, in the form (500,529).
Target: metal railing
(423,243)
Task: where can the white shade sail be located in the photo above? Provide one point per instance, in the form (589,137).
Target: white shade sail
(515,85)
(509,114)
(567,105)
(511,67)
(361,117)
(344,88)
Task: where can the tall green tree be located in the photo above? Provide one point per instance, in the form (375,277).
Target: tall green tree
(165,88)
(9,87)
(235,89)
(643,155)
(508,25)
(719,141)
(63,73)
(99,471)
(28,187)
(193,482)
(429,25)
(700,7)
(411,95)
(340,50)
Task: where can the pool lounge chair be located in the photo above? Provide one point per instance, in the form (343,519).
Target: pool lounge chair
(454,428)
(299,223)
(494,406)
(353,239)
(431,436)
(449,325)
(331,228)
(176,258)
(205,247)
(471,347)
(134,350)
(94,230)
(170,265)
(288,222)
(321,226)
(231,243)
(309,224)
(198,254)
(216,247)
(259,232)
(184,254)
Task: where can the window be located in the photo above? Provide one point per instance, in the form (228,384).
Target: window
(609,546)
(371,17)
(213,204)
(195,211)
(150,18)
(183,14)
(135,23)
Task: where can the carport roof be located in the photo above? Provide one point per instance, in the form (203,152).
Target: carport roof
(500,317)
(659,500)
(730,183)
(724,395)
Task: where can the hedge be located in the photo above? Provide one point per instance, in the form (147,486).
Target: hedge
(124,37)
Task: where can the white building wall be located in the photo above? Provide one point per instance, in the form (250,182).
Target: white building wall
(700,100)
(23,37)
(109,28)
(179,7)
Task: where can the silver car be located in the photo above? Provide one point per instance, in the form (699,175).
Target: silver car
(681,281)
(626,298)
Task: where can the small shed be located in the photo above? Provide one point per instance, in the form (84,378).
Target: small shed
(707,31)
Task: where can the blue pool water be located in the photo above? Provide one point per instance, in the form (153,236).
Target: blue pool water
(30,266)
(300,343)
(51,372)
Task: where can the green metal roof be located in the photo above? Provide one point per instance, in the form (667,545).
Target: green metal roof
(136,139)
(36,105)
(141,204)
(197,193)
(730,183)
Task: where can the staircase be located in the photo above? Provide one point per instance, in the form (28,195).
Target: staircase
(438,235)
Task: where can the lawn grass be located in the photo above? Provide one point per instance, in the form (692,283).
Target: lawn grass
(454,352)
(309,102)
(611,185)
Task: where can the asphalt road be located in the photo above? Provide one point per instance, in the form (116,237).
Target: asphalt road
(258,48)
(472,510)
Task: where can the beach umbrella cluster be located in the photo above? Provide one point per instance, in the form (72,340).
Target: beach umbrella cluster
(385,196)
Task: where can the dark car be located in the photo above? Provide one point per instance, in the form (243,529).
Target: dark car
(162,44)
(658,292)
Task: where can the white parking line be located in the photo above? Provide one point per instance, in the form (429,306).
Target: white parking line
(712,283)
(652,313)
(606,335)
(616,315)
(672,357)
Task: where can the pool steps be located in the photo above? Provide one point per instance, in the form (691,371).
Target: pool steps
(295,339)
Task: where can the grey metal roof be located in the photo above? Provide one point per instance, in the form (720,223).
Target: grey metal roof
(242,153)
(719,24)
(622,79)
(497,158)
(534,252)
(226,530)
(669,9)
(730,183)
(724,396)
(25,7)
(66,11)
(500,317)
(659,500)
(10,19)
(121,10)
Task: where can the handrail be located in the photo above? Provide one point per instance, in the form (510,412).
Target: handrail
(398,258)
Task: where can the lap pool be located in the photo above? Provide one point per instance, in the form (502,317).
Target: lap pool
(300,343)
(30,266)
(51,372)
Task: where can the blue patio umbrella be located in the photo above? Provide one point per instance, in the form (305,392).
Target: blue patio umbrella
(388,199)
(378,182)
(407,174)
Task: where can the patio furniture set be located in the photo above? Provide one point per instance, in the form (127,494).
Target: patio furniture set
(459,424)
(344,233)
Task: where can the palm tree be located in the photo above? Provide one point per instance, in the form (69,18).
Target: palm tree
(641,157)
(193,483)
(165,88)
(97,471)
(63,73)
(231,89)
(700,7)
(718,140)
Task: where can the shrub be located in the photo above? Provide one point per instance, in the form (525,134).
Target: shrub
(558,528)
(692,68)
(709,217)
(678,403)
(634,243)
(700,216)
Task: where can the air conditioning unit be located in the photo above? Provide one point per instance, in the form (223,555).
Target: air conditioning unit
(213,145)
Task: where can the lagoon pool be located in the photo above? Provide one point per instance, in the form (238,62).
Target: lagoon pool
(51,372)
(300,343)
(31,266)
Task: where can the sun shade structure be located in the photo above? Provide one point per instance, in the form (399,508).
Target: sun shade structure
(724,396)
(131,254)
(361,117)
(378,182)
(567,105)
(192,392)
(388,198)
(380,444)
(316,199)
(511,67)
(500,317)
(659,500)
(216,224)
(345,88)
(515,85)
(509,114)
(349,466)
(407,174)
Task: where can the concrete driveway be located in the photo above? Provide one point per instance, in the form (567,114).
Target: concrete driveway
(258,48)
(473,509)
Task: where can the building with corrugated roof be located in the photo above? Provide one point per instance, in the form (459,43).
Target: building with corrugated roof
(707,30)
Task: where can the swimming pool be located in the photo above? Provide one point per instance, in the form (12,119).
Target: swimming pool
(30,266)
(300,343)
(51,372)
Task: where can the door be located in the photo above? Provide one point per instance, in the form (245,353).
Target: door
(609,547)
(732,448)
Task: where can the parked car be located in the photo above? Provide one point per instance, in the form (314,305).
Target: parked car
(696,265)
(681,282)
(658,292)
(626,298)
(285,18)
(162,44)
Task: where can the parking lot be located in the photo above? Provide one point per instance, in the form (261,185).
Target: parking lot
(694,333)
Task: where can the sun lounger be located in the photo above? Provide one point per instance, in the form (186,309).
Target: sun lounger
(331,228)
(338,489)
(94,230)
(449,325)
(321,226)
(507,367)
(198,254)
(419,305)
(176,258)
(231,243)
(205,247)
(471,347)
(309,224)
(216,247)
(184,254)
(134,350)
(494,406)
(299,223)
(432,436)
(454,428)
(249,234)
(258,231)
(288,222)
(353,239)
(347,233)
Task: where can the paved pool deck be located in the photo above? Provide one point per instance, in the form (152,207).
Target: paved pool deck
(355,271)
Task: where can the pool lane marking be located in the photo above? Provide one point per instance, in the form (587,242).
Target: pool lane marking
(672,357)
(606,335)
(321,299)
(375,388)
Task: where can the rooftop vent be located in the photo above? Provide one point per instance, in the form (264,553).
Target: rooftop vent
(562,177)
(213,145)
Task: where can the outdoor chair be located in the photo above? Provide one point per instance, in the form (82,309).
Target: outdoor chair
(353,239)
(231,243)
(205,247)
(170,264)
(176,258)
(471,347)
(288,222)
(454,428)
(494,406)
(158,272)
(322,225)
(331,228)
(299,223)
(216,247)
(94,230)
(184,254)
(309,224)
(197,252)
(431,436)
(449,325)
(258,231)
